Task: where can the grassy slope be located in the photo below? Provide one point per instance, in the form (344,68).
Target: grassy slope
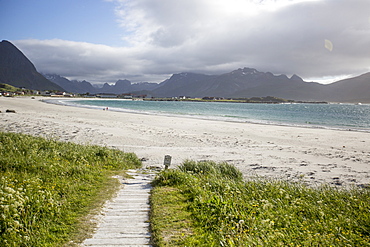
(8,88)
(225,211)
(47,188)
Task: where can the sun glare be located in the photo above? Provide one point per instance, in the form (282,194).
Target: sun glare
(273,5)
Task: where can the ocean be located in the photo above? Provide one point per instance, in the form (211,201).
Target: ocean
(331,116)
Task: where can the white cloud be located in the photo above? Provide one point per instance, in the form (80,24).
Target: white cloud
(80,60)
(216,36)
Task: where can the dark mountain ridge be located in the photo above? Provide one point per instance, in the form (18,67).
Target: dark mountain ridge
(240,83)
(246,82)
(125,86)
(73,86)
(17,70)
(352,90)
(249,82)
(182,84)
(83,87)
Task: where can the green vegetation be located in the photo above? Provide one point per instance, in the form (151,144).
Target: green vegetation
(48,188)
(8,88)
(208,204)
(170,221)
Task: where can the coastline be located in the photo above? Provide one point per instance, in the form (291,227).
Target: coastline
(65,101)
(311,155)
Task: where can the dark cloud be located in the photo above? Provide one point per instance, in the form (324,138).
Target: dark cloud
(167,36)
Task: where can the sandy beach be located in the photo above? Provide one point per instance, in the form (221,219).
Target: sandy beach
(314,156)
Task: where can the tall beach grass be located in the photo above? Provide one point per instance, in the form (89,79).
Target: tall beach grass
(218,208)
(47,187)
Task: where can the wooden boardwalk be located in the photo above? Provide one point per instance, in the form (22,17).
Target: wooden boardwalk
(125,220)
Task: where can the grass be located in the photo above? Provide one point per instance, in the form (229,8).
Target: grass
(8,88)
(220,209)
(48,188)
(170,206)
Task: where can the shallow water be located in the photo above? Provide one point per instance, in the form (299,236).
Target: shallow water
(333,116)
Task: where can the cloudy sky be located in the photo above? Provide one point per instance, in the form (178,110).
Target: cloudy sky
(148,40)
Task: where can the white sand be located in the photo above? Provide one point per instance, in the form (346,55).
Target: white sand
(314,156)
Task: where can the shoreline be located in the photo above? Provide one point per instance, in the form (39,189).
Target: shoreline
(311,155)
(61,101)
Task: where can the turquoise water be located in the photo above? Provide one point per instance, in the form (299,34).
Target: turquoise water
(337,116)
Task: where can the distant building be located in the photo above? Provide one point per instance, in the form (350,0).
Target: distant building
(184,97)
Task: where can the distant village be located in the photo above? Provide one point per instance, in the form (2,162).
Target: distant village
(21,92)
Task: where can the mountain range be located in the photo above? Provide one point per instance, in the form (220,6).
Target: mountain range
(249,82)
(83,87)
(17,70)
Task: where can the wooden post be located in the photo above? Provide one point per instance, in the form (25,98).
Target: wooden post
(167,161)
